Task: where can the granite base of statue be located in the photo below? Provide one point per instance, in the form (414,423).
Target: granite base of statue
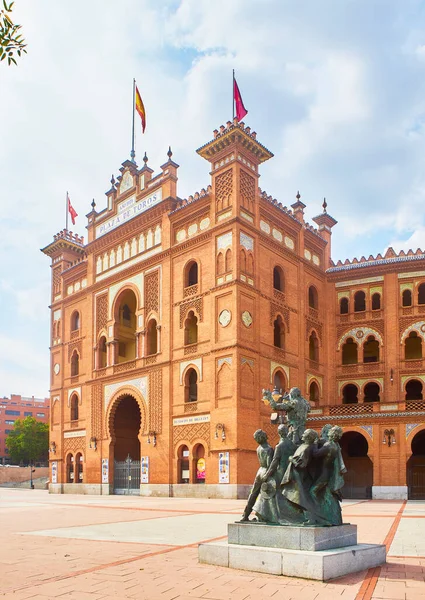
(296,528)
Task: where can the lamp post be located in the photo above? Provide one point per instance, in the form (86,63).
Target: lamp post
(31,472)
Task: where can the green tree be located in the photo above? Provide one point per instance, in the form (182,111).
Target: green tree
(28,441)
(11,41)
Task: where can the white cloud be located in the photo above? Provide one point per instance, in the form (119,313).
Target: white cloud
(340,103)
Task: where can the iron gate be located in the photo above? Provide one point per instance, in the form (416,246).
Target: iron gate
(127,476)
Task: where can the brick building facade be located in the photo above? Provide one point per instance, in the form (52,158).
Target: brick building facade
(19,407)
(170,320)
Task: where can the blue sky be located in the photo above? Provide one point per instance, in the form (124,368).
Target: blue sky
(336,89)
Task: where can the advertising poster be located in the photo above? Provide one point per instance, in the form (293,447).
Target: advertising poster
(145,469)
(105,470)
(223,467)
(54,471)
(200,468)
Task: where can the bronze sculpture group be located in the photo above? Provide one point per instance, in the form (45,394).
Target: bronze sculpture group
(300,481)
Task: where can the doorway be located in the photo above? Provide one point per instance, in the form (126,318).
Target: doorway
(359,476)
(416,468)
(126,428)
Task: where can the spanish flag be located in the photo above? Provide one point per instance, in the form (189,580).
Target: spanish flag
(140,109)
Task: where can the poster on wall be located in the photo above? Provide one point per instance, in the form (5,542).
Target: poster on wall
(54,471)
(223,467)
(200,468)
(105,470)
(145,469)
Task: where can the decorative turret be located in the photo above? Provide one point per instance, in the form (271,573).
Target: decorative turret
(325,223)
(298,208)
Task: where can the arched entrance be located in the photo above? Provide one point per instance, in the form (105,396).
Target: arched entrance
(416,468)
(359,478)
(125,431)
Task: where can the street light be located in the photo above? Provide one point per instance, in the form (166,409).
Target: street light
(31,472)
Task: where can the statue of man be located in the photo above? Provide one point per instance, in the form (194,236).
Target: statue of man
(296,408)
(265,455)
(276,509)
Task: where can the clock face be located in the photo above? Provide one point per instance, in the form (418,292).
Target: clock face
(247,318)
(225,317)
(57,368)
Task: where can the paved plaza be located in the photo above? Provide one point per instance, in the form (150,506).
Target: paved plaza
(112,547)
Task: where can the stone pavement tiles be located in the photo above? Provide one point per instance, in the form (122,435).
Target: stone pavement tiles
(110,547)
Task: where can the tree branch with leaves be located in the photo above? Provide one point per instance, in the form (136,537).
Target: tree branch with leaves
(11,40)
(28,441)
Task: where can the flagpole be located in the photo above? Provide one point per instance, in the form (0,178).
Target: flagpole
(132,153)
(233,96)
(66,212)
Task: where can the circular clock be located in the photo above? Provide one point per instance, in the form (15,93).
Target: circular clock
(57,368)
(225,317)
(247,318)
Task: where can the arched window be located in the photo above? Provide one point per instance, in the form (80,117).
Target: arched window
(75,321)
(78,468)
(349,394)
(278,279)
(228,261)
(126,315)
(421,294)
(191,329)
(220,263)
(74,407)
(313,298)
(359,301)
(343,306)
(349,352)
(191,274)
(125,326)
(75,364)
(152,337)
(101,353)
(371,392)
(250,264)
(414,389)
(199,464)
(314,392)
(371,350)
(279,381)
(191,386)
(70,469)
(413,346)
(313,347)
(183,473)
(376,301)
(407,298)
(279,333)
(243,261)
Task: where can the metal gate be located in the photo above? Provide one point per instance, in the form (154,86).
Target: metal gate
(416,478)
(127,476)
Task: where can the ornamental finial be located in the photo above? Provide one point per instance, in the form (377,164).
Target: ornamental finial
(145,159)
(93,204)
(298,196)
(325,205)
(169,153)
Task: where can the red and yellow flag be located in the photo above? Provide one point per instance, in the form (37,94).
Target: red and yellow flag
(140,109)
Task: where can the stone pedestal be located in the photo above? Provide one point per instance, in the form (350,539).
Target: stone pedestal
(308,552)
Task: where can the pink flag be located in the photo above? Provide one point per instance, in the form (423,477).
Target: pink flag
(240,108)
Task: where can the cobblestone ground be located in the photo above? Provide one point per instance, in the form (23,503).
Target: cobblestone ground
(113,547)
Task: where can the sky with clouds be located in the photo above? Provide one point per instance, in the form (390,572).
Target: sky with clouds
(336,89)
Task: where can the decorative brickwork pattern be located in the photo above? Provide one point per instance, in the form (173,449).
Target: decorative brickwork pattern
(190,291)
(275,310)
(73,445)
(189,433)
(310,325)
(224,381)
(101,313)
(96,411)
(192,349)
(151,360)
(196,304)
(224,190)
(76,345)
(190,407)
(57,280)
(350,409)
(271,430)
(155,400)
(152,293)
(127,366)
(247,191)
